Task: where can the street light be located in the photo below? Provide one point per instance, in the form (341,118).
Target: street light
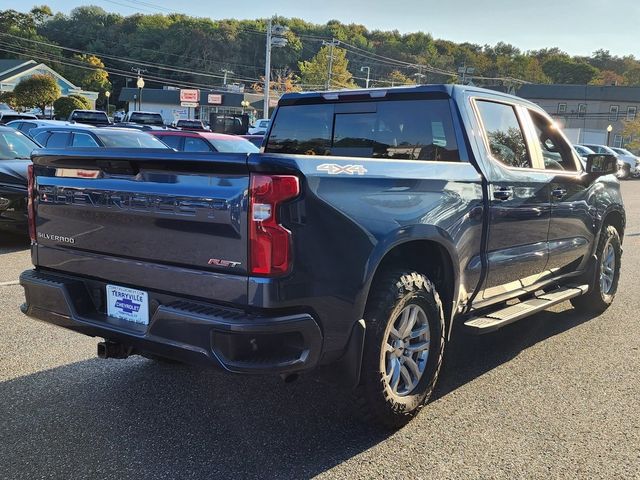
(140,85)
(362,69)
(609,130)
(245,104)
(107,94)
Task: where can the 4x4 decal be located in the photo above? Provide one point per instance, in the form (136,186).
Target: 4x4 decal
(335,169)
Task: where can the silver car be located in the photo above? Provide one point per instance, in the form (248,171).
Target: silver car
(632,162)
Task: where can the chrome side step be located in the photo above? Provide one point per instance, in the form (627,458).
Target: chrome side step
(491,322)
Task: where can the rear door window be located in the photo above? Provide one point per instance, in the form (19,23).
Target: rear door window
(504,134)
(394,129)
(557,154)
(58,140)
(193,144)
(171,140)
(83,140)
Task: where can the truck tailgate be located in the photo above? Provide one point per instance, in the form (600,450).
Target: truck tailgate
(169,221)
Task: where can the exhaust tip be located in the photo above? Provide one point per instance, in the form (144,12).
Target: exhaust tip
(290,377)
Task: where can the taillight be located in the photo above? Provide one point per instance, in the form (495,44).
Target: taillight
(269,242)
(31,206)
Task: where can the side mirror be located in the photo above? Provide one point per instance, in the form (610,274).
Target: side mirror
(601,164)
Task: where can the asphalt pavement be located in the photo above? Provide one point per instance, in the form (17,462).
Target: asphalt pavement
(553,396)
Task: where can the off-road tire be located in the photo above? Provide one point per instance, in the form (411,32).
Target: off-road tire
(391,293)
(595,301)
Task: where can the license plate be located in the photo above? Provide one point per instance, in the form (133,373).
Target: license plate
(128,304)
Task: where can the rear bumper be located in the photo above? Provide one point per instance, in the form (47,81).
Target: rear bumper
(188,331)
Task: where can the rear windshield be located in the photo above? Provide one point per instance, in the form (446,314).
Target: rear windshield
(90,117)
(10,117)
(236,145)
(147,118)
(189,124)
(129,139)
(397,129)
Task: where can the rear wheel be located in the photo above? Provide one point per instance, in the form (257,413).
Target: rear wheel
(404,345)
(605,284)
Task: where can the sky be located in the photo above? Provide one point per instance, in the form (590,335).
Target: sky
(578,27)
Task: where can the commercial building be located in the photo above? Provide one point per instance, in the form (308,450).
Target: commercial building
(586,111)
(13,71)
(166,101)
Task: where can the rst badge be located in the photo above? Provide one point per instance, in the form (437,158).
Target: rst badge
(335,169)
(222,263)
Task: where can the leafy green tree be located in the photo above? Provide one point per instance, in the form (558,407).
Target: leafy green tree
(37,91)
(563,70)
(96,80)
(395,79)
(86,104)
(315,72)
(63,106)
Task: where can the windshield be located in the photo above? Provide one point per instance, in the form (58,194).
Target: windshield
(147,118)
(15,145)
(239,145)
(90,117)
(126,139)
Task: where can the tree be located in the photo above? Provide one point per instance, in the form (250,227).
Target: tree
(566,70)
(283,81)
(608,77)
(96,80)
(315,72)
(86,104)
(9,98)
(37,91)
(632,75)
(63,106)
(631,129)
(395,79)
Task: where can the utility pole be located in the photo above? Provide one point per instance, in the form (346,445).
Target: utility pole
(362,69)
(275,38)
(225,71)
(464,71)
(331,44)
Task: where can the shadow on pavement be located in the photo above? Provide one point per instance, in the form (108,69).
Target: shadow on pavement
(140,419)
(469,357)
(10,243)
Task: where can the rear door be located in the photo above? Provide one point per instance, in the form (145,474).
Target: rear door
(571,226)
(519,202)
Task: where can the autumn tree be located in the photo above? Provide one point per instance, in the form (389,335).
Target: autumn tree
(9,98)
(631,129)
(314,73)
(90,74)
(395,79)
(37,91)
(608,77)
(282,81)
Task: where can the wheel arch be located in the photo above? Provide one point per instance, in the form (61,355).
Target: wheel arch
(425,249)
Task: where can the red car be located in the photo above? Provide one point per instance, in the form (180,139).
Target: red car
(193,141)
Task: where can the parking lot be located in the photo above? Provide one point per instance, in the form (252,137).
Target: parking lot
(555,395)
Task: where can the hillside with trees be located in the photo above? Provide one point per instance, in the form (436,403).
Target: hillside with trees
(97,50)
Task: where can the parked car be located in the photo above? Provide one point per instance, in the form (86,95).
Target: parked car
(259,127)
(185,124)
(15,155)
(605,150)
(186,141)
(77,136)
(26,125)
(90,117)
(583,153)
(144,118)
(7,116)
(632,162)
(363,238)
(255,139)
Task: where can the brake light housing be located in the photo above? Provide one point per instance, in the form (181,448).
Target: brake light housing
(31,206)
(270,242)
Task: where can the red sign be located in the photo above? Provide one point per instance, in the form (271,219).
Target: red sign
(189,95)
(214,99)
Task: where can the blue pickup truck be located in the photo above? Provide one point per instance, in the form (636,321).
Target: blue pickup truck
(370,224)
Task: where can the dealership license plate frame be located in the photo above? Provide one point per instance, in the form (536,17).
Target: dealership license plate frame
(127,304)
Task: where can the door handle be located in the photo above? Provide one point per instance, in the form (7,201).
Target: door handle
(502,193)
(558,193)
